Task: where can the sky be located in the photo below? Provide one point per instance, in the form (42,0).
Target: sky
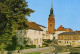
(67,12)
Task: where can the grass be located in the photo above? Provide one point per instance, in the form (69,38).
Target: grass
(65,48)
(34,53)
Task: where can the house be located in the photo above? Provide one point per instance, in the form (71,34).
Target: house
(61,29)
(69,38)
(44,31)
(35,34)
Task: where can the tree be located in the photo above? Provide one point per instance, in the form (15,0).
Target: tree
(12,16)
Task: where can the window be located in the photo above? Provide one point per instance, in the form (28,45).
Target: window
(43,34)
(66,37)
(40,40)
(39,32)
(37,40)
(35,32)
(72,37)
(67,42)
(50,25)
(60,38)
(69,37)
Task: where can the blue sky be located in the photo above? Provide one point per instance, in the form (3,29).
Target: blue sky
(67,12)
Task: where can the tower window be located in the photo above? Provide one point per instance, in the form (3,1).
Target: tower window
(50,25)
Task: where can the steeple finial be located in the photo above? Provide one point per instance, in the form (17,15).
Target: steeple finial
(51,10)
(51,3)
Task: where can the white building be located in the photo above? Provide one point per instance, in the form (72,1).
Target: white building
(35,34)
(44,31)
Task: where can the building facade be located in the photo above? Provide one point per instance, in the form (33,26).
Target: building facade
(34,35)
(56,34)
(60,30)
(69,38)
(44,31)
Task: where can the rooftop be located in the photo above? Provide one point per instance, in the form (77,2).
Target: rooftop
(34,26)
(68,33)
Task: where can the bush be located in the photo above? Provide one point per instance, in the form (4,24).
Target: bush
(69,46)
(10,48)
(30,46)
(18,48)
(48,41)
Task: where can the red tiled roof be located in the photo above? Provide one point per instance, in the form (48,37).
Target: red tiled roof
(61,28)
(34,26)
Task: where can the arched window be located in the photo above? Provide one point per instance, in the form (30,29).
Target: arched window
(50,25)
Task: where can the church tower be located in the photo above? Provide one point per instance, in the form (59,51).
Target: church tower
(51,21)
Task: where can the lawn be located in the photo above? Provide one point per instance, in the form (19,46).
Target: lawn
(65,48)
(34,53)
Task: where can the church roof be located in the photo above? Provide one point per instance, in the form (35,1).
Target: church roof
(61,28)
(34,26)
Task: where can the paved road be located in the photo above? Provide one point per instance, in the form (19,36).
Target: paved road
(43,50)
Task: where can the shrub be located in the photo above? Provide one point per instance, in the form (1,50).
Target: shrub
(48,41)
(18,48)
(10,47)
(30,46)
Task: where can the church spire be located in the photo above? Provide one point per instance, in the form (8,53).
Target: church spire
(51,3)
(51,10)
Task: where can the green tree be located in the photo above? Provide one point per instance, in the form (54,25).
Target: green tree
(13,15)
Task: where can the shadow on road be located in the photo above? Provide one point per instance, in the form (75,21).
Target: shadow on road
(74,53)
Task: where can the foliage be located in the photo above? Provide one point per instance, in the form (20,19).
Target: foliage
(18,48)
(45,45)
(30,46)
(13,45)
(47,41)
(9,47)
(12,16)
